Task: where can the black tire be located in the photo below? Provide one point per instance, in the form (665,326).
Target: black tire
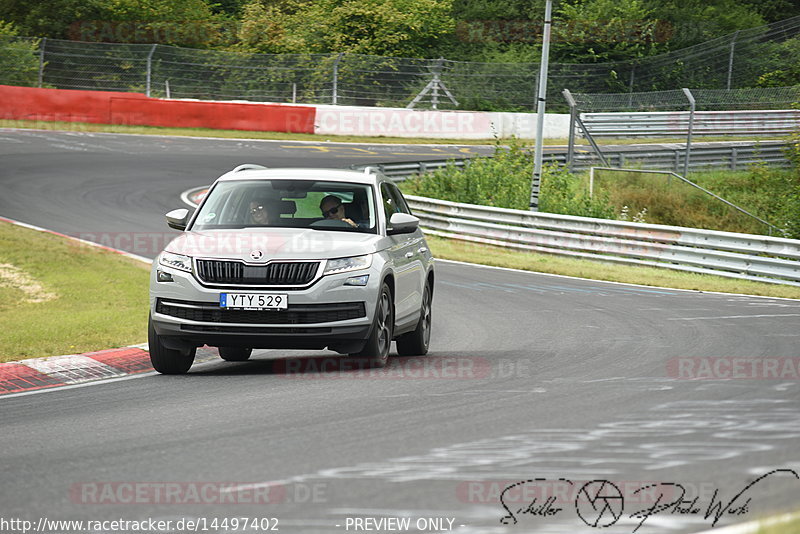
(376,352)
(168,361)
(416,343)
(234,354)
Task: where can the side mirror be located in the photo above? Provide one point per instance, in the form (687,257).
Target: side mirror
(178,219)
(402,223)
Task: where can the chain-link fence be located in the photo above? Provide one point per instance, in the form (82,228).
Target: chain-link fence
(755,98)
(767,55)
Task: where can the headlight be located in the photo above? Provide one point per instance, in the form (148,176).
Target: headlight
(343,265)
(176,261)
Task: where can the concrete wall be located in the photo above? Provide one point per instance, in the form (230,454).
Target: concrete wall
(104,107)
(401,122)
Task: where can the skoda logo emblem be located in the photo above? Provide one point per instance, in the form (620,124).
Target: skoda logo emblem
(256,255)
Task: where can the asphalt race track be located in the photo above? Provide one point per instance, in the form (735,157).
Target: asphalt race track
(558,382)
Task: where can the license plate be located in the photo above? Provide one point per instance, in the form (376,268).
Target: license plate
(253,301)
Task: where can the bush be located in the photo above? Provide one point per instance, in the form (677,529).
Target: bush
(505,181)
(563,192)
(792,212)
(19,59)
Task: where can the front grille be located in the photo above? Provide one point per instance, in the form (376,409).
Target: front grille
(296,273)
(206,312)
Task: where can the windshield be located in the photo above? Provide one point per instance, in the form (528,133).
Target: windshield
(320,205)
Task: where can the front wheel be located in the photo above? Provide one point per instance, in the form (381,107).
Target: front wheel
(416,343)
(165,360)
(376,351)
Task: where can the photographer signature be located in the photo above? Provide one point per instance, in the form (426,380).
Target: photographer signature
(600,503)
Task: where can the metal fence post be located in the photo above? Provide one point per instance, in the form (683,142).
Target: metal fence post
(335,96)
(435,83)
(730,59)
(630,85)
(41,61)
(573,111)
(540,107)
(692,105)
(149,68)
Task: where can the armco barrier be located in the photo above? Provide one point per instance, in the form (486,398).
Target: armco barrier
(731,156)
(103,107)
(676,123)
(742,256)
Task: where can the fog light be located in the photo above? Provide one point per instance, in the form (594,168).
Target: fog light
(162,276)
(357,280)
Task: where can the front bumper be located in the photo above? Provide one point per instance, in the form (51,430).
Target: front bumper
(329,314)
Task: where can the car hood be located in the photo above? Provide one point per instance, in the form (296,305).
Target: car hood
(274,243)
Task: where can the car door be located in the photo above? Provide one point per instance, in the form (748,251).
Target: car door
(407,255)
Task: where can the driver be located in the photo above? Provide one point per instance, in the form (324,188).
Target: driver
(332,208)
(259,212)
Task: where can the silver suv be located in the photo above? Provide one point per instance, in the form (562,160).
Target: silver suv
(292,259)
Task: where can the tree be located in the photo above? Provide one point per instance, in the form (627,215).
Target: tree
(696,21)
(178,22)
(48,19)
(599,31)
(780,64)
(408,28)
(774,10)
(19,59)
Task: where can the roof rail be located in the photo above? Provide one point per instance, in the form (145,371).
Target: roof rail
(368,169)
(248,167)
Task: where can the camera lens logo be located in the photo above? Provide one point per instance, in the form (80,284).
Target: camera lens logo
(599,503)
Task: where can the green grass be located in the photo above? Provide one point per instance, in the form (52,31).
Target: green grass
(767,193)
(100,302)
(790,527)
(649,276)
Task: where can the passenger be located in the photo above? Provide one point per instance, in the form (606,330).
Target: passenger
(332,208)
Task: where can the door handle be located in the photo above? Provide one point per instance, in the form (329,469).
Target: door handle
(409,254)
(423,250)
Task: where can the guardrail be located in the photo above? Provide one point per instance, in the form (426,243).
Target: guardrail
(732,157)
(733,255)
(676,123)
(661,157)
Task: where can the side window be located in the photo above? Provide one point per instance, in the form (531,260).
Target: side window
(390,205)
(399,201)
